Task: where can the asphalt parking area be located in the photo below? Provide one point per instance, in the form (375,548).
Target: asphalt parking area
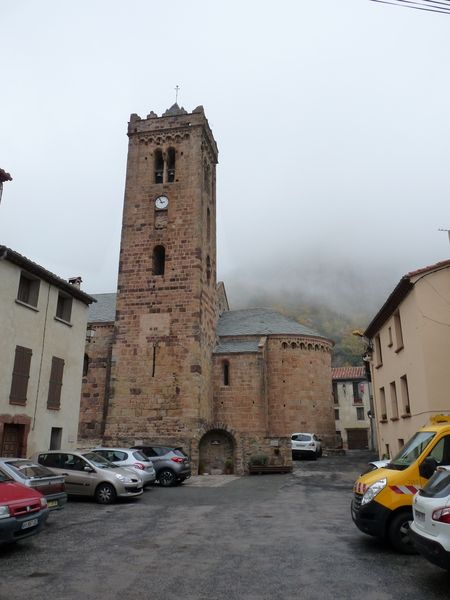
(249,538)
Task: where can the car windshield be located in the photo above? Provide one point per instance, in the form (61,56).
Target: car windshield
(139,456)
(411,452)
(302,437)
(28,470)
(99,461)
(179,452)
(438,486)
(4,476)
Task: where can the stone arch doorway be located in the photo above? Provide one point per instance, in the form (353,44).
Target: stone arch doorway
(216,452)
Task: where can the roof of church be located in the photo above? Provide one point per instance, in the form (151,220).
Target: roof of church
(236,346)
(250,321)
(104,310)
(260,321)
(174,110)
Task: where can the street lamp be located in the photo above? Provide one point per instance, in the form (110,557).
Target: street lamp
(367,356)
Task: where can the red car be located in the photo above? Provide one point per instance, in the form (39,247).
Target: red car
(23,511)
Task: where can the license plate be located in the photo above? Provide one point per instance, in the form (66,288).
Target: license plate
(52,503)
(30,523)
(419,516)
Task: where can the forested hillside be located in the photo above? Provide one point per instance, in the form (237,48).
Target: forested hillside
(338,327)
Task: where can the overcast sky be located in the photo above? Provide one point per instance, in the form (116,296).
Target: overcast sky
(331,119)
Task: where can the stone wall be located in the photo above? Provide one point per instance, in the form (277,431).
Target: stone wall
(96,381)
(299,392)
(242,403)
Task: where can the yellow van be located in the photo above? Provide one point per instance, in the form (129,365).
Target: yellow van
(382,499)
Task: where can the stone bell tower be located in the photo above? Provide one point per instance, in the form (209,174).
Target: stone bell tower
(166,314)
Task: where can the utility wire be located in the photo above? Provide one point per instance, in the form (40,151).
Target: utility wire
(437,4)
(426,5)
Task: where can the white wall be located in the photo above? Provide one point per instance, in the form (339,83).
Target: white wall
(38,330)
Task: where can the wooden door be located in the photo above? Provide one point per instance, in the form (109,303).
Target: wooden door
(12,440)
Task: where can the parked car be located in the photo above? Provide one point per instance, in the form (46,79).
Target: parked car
(374,465)
(23,510)
(37,477)
(430,530)
(172,466)
(89,474)
(133,459)
(306,445)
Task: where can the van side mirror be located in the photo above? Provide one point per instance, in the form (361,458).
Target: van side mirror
(428,467)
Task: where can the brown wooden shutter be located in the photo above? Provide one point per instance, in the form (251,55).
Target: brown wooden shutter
(55,384)
(20,375)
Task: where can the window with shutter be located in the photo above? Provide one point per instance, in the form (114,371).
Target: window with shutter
(64,308)
(28,291)
(20,375)
(55,383)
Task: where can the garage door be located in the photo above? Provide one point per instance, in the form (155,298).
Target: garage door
(357,439)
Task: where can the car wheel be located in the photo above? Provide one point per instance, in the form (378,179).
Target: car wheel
(398,533)
(105,493)
(166,478)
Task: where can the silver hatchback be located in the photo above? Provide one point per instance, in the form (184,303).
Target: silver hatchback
(132,459)
(89,474)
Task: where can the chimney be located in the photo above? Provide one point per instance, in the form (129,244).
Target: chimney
(4,176)
(76,281)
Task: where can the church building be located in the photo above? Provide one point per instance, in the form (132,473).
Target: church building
(166,360)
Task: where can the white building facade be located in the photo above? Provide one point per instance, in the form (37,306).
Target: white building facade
(42,337)
(351,396)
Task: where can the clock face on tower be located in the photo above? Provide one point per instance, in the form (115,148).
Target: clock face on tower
(161,202)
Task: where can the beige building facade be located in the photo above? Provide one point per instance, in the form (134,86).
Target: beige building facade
(410,348)
(43,329)
(351,397)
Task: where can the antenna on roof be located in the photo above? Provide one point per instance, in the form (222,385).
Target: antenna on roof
(447,230)
(177,89)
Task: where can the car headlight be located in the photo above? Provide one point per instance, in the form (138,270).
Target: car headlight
(4,512)
(43,502)
(373,490)
(123,479)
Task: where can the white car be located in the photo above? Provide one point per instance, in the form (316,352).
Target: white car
(306,445)
(430,530)
(132,459)
(376,464)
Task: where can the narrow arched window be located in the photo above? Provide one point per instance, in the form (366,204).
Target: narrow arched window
(208,225)
(226,373)
(171,165)
(208,268)
(159,259)
(159,166)
(85,365)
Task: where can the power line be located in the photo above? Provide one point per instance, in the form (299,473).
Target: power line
(426,5)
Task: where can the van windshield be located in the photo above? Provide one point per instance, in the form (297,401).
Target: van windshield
(412,450)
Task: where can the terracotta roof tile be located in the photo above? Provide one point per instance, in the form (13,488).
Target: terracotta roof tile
(443,263)
(348,373)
